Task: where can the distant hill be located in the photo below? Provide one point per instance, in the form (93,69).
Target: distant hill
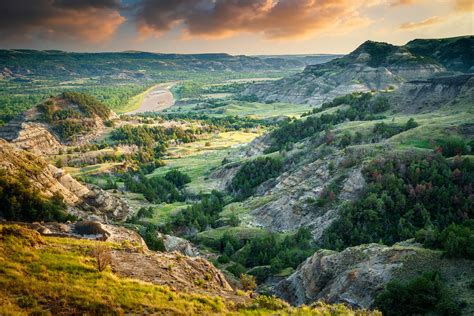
(23,64)
(455,53)
(372,66)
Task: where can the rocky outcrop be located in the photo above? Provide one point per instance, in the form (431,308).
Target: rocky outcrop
(291,197)
(173,243)
(83,201)
(427,95)
(353,276)
(356,275)
(372,66)
(34,137)
(90,230)
(131,258)
(31,131)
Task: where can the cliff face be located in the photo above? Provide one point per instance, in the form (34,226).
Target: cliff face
(287,205)
(34,137)
(425,95)
(371,66)
(35,132)
(83,201)
(352,276)
(356,275)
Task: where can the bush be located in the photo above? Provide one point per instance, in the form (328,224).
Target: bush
(253,173)
(236,269)
(425,294)
(248,282)
(178,178)
(403,195)
(200,215)
(151,238)
(453,146)
(457,241)
(102,255)
(272,303)
(223,259)
(21,202)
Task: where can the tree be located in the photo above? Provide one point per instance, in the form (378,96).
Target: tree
(248,282)
(234,220)
(424,295)
(102,255)
(229,249)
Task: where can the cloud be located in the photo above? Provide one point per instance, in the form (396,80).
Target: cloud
(426,22)
(274,19)
(81,4)
(92,21)
(464,5)
(403,2)
(459,5)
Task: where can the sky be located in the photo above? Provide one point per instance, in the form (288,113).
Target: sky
(251,27)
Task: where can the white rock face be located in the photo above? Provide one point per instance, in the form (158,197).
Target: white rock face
(288,209)
(353,276)
(173,243)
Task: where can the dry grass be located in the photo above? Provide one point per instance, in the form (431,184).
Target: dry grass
(51,275)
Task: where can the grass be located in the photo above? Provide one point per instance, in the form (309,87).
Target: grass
(163,212)
(135,102)
(219,141)
(33,280)
(92,169)
(52,275)
(239,232)
(199,159)
(242,209)
(433,127)
(263,110)
(247,109)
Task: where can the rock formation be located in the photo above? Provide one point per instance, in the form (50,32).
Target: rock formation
(357,274)
(84,202)
(372,66)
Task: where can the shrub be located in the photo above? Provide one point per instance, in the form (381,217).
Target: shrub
(21,202)
(403,195)
(248,282)
(223,259)
(453,146)
(254,173)
(152,240)
(425,294)
(178,178)
(272,303)
(458,240)
(236,269)
(102,255)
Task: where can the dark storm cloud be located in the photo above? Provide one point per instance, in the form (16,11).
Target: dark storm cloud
(84,4)
(23,20)
(273,18)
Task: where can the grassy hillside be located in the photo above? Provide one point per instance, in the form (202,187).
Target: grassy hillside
(34,271)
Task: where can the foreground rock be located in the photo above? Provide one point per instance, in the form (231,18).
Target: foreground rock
(356,275)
